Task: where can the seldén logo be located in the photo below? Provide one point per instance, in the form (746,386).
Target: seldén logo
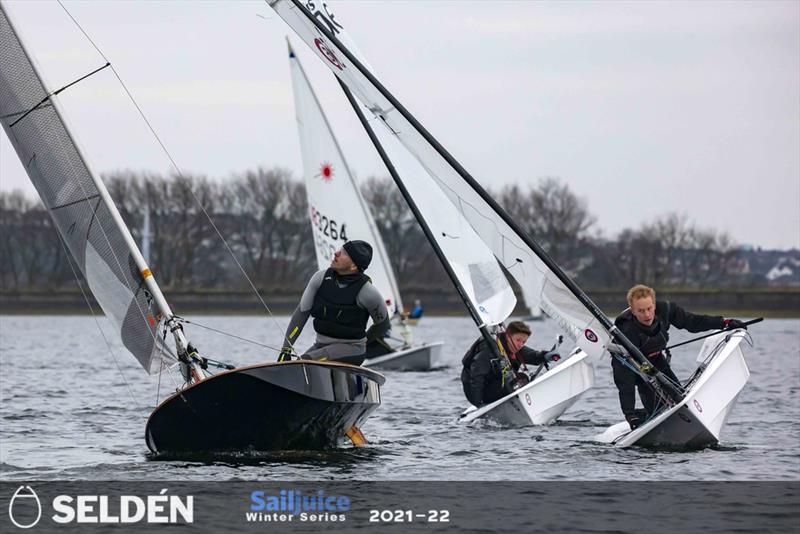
(21,505)
(25,509)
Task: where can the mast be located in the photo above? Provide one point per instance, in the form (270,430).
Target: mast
(103,195)
(656,379)
(494,345)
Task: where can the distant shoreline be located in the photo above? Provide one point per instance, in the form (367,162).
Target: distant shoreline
(783,302)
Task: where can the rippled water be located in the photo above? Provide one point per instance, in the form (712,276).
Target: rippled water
(71,411)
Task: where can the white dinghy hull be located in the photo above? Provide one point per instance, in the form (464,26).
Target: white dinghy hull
(542,401)
(698,420)
(422,357)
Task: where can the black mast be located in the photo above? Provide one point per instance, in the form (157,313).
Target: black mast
(490,341)
(656,379)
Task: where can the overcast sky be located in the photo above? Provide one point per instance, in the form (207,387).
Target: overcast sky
(643,108)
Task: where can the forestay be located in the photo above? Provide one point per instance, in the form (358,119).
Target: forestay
(320,28)
(81,210)
(474,265)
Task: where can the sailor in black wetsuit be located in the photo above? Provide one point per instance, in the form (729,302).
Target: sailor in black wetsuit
(646,324)
(341,299)
(481,377)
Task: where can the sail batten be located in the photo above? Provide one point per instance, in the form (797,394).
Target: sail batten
(77,201)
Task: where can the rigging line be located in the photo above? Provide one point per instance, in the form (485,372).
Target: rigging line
(176,167)
(49,95)
(229,334)
(96,321)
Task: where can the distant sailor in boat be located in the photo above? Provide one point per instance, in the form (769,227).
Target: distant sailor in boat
(341,299)
(417,311)
(481,376)
(646,323)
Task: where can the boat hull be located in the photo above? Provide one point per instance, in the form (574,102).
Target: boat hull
(697,421)
(275,406)
(542,401)
(416,358)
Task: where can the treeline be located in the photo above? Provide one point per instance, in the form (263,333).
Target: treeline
(263,218)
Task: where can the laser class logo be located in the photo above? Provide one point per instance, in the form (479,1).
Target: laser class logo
(25,508)
(325,172)
(293,505)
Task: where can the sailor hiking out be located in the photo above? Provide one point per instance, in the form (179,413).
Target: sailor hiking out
(482,377)
(341,299)
(646,324)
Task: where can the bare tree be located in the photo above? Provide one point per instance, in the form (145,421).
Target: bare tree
(553,215)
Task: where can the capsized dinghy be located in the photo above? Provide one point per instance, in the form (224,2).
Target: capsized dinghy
(299,404)
(697,420)
(541,401)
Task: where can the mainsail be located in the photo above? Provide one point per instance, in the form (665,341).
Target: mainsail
(544,285)
(84,214)
(478,272)
(337,210)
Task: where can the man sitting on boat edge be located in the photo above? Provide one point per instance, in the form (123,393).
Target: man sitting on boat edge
(341,299)
(646,324)
(481,375)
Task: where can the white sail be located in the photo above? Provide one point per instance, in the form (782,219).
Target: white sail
(337,210)
(84,215)
(473,263)
(319,27)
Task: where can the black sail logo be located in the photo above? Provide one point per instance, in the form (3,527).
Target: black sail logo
(24,509)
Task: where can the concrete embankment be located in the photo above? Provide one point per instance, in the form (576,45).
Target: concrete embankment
(744,302)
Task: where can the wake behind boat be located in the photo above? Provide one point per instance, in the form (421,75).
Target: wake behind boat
(711,392)
(299,404)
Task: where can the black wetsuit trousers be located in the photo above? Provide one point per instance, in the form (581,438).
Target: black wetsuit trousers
(625,379)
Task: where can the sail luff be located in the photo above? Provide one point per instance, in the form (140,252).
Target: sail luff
(19,77)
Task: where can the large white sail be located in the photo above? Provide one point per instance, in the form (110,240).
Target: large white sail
(85,216)
(319,27)
(337,210)
(474,265)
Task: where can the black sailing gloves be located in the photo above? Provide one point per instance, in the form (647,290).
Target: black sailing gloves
(733,324)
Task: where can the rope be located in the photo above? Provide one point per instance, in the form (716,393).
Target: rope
(175,166)
(228,334)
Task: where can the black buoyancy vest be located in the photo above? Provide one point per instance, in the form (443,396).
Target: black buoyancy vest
(335,311)
(650,340)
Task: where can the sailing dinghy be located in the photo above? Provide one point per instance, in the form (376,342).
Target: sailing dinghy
(319,403)
(697,421)
(338,213)
(464,232)
(545,284)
